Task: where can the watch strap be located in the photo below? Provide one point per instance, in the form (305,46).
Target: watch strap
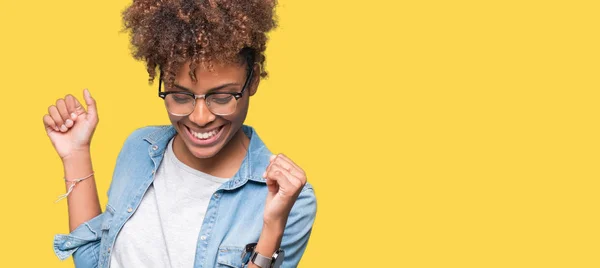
(248,250)
(277,259)
(260,260)
(264,262)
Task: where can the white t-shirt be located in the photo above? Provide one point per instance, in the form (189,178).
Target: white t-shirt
(163,232)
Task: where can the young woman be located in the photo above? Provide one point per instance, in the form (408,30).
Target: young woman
(204,191)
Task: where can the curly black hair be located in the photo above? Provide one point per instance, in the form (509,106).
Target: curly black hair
(168,33)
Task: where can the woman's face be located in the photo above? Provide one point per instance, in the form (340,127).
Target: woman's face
(203,132)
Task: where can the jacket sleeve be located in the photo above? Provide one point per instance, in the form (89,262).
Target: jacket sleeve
(298,227)
(83,243)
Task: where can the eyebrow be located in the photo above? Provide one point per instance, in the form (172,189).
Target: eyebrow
(210,90)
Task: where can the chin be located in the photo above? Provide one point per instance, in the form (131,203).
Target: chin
(204,153)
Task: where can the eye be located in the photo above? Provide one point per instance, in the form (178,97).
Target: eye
(181,98)
(221,99)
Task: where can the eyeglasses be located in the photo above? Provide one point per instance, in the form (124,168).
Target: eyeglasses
(183,103)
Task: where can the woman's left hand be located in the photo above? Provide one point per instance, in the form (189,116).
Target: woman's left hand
(285,180)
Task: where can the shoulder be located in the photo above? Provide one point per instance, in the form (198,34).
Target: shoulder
(140,140)
(143,131)
(307,200)
(147,132)
(135,158)
(148,135)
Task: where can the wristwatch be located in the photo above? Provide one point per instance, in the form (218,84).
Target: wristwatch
(249,255)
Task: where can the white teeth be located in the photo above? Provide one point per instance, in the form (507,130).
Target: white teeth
(206,135)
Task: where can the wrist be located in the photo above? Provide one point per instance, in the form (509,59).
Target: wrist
(269,240)
(77,155)
(274,225)
(273,229)
(77,165)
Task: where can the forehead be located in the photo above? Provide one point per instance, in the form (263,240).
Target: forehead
(219,73)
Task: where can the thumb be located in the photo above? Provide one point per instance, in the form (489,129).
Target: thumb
(91,104)
(272,186)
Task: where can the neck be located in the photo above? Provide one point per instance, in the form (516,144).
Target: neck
(224,164)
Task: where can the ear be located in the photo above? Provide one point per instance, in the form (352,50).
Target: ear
(255,79)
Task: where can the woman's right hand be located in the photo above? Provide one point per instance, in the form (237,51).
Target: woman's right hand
(70,127)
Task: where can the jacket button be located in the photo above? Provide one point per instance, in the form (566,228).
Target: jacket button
(155,147)
(203,237)
(129,210)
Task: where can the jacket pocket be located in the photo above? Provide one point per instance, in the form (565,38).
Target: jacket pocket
(230,257)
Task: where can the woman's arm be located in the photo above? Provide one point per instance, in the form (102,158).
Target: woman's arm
(70,129)
(297,230)
(285,181)
(83,201)
(268,243)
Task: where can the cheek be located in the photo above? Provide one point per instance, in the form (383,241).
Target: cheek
(174,119)
(240,115)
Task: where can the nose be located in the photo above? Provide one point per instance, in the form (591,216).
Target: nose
(201,115)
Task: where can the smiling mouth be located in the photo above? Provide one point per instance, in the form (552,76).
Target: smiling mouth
(205,137)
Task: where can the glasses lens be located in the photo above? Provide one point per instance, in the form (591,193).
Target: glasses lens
(179,103)
(221,104)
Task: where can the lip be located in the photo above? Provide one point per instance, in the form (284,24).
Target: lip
(208,142)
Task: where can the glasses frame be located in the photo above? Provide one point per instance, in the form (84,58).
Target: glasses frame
(236,95)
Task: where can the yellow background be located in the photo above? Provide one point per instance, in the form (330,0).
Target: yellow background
(436,133)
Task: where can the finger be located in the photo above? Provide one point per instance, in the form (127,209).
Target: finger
(296,181)
(287,164)
(283,182)
(79,110)
(277,159)
(53,112)
(268,167)
(71,106)
(275,178)
(272,185)
(293,180)
(61,105)
(49,124)
(289,161)
(91,104)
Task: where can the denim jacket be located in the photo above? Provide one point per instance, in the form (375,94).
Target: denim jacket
(234,216)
